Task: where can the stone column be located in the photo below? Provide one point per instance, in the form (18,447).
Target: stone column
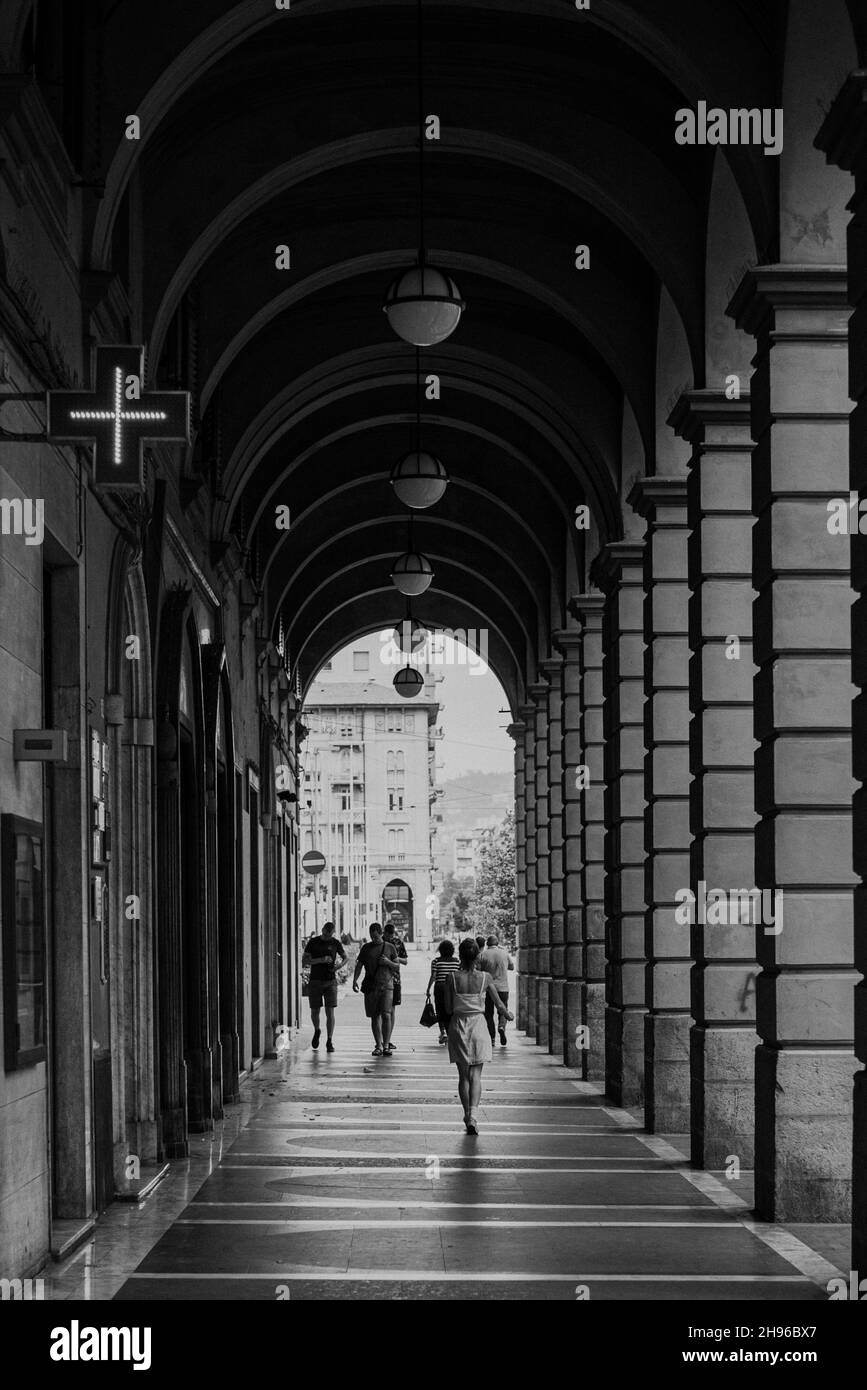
(553,669)
(619,572)
(539,695)
(722,762)
(517,732)
(843,137)
(803,694)
(571,644)
(528,718)
(588,609)
(662,502)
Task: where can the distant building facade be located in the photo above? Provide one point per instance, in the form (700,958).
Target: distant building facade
(367,797)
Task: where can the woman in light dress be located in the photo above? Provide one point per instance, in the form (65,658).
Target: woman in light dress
(469,1040)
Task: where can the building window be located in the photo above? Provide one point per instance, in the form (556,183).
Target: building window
(395,776)
(361,661)
(24,941)
(395,721)
(326,667)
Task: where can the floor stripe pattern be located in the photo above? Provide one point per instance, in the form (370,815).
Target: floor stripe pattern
(354,1179)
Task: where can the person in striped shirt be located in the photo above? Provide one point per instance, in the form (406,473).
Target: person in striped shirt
(442,966)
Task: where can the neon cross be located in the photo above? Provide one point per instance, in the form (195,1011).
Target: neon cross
(118,416)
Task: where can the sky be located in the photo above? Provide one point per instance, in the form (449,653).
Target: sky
(475,732)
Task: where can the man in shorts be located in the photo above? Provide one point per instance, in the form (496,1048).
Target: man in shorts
(321,954)
(389,934)
(378,958)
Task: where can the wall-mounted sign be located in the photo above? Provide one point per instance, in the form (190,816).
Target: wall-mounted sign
(117,417)
(39,745)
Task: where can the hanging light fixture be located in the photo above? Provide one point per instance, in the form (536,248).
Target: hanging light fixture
(409,636)
(412,573)
(408,682)
(423,305)
(419,479)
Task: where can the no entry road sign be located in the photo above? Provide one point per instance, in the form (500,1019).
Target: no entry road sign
(313,862)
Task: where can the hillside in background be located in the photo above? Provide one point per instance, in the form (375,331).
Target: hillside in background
(474,798)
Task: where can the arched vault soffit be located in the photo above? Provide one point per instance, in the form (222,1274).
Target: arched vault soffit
(625,188)
(683,40)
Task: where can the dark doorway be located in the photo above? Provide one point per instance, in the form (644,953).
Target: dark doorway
(255,933)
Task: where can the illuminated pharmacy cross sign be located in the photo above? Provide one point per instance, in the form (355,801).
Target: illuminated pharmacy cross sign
(118,416)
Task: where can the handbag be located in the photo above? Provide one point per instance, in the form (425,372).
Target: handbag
(428,1015)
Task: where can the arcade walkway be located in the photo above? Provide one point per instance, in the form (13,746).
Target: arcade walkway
(352,1179)
(323,1184)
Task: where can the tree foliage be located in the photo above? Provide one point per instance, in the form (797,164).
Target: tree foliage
(493,904)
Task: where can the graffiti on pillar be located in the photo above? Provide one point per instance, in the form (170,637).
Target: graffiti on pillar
(432,907)
(282,1038)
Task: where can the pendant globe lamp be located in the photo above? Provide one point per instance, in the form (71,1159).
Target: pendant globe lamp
(409,636)
(412,573)
(408,682)
(423,305)
(419,479)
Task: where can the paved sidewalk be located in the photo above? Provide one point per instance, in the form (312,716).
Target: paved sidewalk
(354,1179)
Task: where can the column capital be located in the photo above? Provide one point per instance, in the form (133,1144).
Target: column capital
(607,569)
(587,609)
(695,411)
(767,288)
(843,134)
(650,496)
(551,666)
(528,715)
(538,691)
(569,641)
(516,730)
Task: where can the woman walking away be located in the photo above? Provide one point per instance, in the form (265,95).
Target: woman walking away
(469,1042)
(442,966)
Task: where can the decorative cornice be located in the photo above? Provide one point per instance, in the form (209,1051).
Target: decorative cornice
(607,568)
(649,494)
(843,134)
(695,410)
(585,607)
(568,640)
(765,288)
(516,730)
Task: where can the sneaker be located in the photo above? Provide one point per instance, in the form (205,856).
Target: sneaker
(377,1052)
(329,1046)
(472,1127)
(316,1036)
(502,1037)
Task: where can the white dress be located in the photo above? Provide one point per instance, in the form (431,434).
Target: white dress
(469,1039)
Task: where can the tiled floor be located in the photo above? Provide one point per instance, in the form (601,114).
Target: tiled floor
(348,1177)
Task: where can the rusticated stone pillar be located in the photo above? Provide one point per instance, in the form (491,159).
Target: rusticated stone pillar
(843,137)
(662,502)
(539,695)
(722,761)
(588,608)
(619,572)
(517,732)
(528,718)
(571,644)
(553,669)
(803,695)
